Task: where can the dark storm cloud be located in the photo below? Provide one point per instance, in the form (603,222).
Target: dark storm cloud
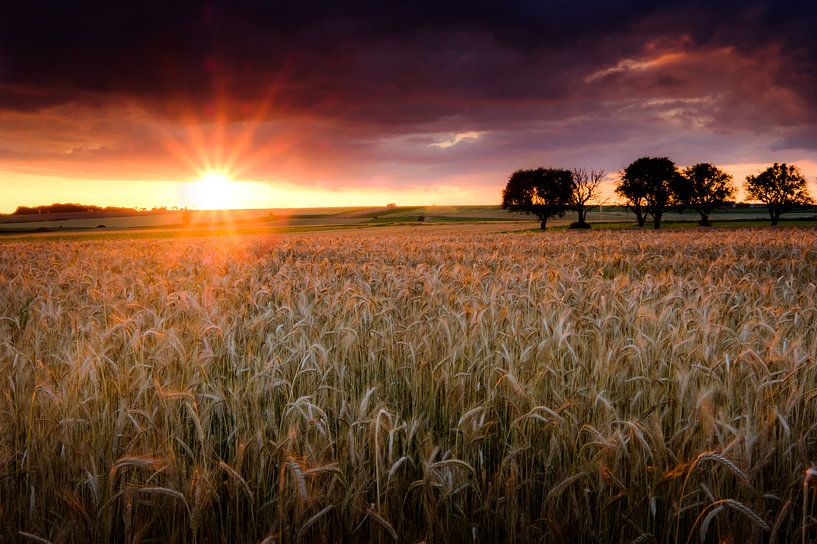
(361,57)
(383,81)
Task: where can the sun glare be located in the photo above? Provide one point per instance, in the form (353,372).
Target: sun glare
(214,191)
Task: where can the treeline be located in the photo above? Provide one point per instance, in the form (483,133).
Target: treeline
(79,208)
(67,208)
(651,187)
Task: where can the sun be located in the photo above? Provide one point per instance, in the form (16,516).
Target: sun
(214,191)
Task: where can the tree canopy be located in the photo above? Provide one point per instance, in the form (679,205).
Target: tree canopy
(648,185)
(704,188)
(781,187)
(543,192)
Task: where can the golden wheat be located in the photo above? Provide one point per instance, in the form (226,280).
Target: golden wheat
(437,385)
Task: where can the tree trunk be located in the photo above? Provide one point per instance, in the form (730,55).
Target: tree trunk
(656,220)
(581,211)
(642,218)
(773,215)
(544,223)
(705,220)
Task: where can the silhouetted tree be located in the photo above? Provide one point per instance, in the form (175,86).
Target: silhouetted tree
(648,185)
(704,188)
(543,192)
(781,187)
(634,191)
(585,189)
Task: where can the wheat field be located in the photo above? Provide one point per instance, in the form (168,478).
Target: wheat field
(449,385)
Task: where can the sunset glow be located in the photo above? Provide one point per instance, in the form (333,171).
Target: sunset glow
(214,108)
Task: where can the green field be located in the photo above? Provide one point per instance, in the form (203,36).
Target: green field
(271,221)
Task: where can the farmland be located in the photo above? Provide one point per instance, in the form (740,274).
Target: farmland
(187,223)
(441,383)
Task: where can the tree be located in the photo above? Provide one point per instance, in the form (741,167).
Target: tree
(648,184)
(704,188)
(543,192)
(782,188)
(585,189)
(634,191)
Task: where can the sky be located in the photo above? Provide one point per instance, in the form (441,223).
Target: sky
(325,103)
